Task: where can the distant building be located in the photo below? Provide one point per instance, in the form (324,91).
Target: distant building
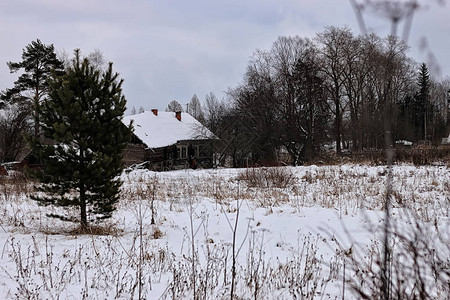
(169,140)
(446,141)
(26,158)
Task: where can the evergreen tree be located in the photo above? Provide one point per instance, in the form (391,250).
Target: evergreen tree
(422,110)
(38,61)
(406,123)
(82,116)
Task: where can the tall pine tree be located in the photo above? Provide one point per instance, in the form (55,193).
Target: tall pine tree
(422,109)
(38,62)
(82,117)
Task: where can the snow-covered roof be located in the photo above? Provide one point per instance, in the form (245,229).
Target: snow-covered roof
(164,129)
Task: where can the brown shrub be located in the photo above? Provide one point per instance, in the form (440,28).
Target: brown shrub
(278,177)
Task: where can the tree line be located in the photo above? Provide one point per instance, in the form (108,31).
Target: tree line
(299,97)
(337,89)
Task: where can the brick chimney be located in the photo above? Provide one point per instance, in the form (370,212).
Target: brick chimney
(178,115)
(155,111)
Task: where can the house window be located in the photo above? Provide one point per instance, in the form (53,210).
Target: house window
(181,152)
(197,151)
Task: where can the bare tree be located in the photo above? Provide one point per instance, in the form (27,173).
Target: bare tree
(96,58)
(174,106)
(256,106)
(357,53)
(15,123)
(282,101)
(333,45)
(214,111)
(439,96)
(300,96)
(194,108)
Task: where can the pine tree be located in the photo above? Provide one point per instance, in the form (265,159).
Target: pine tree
(82,116)
(38,62)
(422,110)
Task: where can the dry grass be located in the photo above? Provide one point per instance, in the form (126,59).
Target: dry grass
(345,188)
(277,177)
(106,229)
(115,251)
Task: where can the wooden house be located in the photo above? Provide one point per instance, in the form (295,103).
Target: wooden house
(25,158)
(169,140)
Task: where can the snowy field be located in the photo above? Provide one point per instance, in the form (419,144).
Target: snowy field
(310,232)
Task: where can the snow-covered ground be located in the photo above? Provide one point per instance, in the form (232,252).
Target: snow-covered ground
(291,233)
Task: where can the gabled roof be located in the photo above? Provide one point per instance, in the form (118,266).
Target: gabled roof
(164,129)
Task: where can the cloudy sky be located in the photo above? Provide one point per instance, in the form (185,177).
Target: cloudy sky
(172,49)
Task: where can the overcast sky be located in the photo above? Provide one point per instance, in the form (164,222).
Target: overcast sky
(172,49)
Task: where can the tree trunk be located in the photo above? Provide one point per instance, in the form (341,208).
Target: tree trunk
(338,127)
(36,114)
(83,213)
(355,131)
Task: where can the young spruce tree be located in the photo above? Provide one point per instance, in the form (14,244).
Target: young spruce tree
(81,121)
